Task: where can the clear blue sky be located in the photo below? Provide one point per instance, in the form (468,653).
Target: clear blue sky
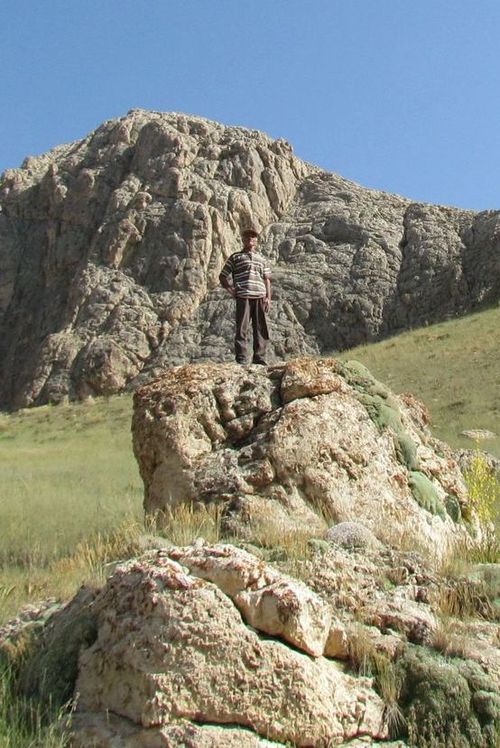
(399,95)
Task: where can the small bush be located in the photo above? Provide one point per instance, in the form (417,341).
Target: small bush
(484,490)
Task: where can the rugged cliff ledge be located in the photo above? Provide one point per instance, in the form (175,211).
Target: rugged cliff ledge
(110,249)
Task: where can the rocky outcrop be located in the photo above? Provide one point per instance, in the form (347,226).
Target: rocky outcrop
(110,250)
(181,647)
(172,647)
(303,444)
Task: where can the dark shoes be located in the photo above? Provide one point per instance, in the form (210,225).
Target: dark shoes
(256,360)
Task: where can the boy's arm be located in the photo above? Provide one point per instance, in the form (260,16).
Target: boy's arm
(224,281)
(224,276)
(267,300)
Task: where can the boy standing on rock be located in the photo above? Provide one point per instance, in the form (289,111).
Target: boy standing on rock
(247,277)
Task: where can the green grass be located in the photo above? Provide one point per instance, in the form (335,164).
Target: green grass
(26,724)
(453,367)
(67,473)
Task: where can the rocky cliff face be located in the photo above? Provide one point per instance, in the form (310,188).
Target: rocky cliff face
(110,250)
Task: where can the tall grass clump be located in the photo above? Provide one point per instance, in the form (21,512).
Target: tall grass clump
(184,523)
(366,660)
(26,723)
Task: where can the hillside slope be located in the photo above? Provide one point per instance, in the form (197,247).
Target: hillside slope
(110,250)
(453,367)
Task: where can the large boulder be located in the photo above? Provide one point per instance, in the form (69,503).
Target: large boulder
(172,648)
(208,645)
(110,250)
(302,444)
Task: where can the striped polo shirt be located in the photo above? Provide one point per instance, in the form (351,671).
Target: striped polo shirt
(248,270)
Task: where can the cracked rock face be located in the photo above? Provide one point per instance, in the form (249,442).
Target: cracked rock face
(110,250)
(293,444)
(178,649)
(172,649)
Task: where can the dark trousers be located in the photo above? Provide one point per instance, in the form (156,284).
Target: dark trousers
(250,310)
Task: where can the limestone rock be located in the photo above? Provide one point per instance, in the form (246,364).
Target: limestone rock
(268,601)
(110,250)
(171,646)
(326,445)
(91,730)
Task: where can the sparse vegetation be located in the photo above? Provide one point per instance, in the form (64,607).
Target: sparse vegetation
(25,723)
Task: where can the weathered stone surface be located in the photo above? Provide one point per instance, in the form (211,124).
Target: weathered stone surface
(172,661)
(110,250)
(91,730)
(173,646)
(336,444)
(267,600)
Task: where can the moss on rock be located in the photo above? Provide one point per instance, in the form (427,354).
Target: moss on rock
(406,450)
(383,410)
(425,493)
(49,669)
(441,704)
(452,507)
(359,377)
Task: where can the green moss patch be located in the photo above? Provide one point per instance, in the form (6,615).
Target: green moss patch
(446,704)
(383,410)
(43,658)
(425,493)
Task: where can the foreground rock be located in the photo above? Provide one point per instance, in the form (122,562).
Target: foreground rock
(110,250)
(171,646)
(166,654)
(295,446)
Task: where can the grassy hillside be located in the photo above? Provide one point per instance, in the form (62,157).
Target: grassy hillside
(453,367)
(67,474)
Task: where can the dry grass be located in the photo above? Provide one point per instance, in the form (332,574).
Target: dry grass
(186,522)
(366,660)
(289,549)
(463,598)
(449,640)
(62,576)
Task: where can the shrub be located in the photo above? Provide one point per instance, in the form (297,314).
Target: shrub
(484,490)
(442,704)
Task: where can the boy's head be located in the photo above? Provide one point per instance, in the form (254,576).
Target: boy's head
(249,236)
